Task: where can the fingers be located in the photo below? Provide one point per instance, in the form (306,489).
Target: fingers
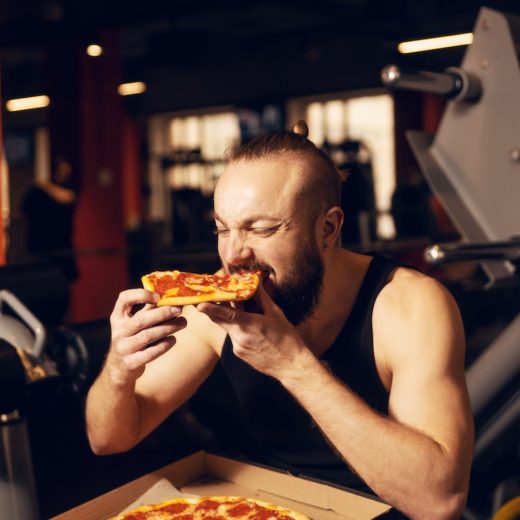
(139,358)
(262,298)
(146,318)
(265,302)
(127,299)
(152,335)
(231,319)
(154,331)
(140,337)
(147,307)
(149,341)
(147,326)
(138,333)
(219,312)
(236,311)
(148,315)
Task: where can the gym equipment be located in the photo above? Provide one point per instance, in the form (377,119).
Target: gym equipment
(45,370)
(21,345)
(472,164)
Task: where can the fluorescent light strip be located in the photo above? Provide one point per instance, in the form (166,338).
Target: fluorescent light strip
(129,89)
(429,44)
(28,103)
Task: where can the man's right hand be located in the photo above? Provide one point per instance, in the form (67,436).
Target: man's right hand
(139,337)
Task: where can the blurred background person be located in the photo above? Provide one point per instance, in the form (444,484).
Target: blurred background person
(49,208)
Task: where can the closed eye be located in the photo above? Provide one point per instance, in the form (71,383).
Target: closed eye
(264,232)
(221,231)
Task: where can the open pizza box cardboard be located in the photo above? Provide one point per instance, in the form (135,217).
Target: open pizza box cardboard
(204,474)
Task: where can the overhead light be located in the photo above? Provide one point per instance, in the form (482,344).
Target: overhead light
(28,103)
(441,42)
(94,50)
(129,89)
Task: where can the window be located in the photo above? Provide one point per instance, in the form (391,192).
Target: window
(186,152)
(365,118)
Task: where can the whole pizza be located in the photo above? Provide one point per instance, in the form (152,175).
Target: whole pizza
(212,508)
(183,288)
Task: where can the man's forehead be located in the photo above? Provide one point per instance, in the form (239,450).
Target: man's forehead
(259,189)
(261,178)
(284,170)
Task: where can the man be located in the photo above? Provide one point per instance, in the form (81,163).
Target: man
(358,362)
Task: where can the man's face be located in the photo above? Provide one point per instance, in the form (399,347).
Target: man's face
(261,224)
(63,172)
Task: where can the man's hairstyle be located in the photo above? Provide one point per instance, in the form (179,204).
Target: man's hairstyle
(322,185)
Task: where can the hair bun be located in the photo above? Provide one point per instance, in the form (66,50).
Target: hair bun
(301,128)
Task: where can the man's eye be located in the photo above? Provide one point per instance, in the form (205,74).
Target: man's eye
(221,232)
(263,232)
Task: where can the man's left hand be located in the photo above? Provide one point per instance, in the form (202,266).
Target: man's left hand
(267,341)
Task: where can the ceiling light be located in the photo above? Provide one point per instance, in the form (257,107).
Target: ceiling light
(128,89)
(430,44)
(28,103)
(94,50)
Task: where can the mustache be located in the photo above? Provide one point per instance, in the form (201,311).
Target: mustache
(253,265)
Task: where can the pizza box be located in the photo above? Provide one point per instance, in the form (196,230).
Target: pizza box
(205,474)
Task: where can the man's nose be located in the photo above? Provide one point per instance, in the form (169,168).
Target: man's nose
(237,249)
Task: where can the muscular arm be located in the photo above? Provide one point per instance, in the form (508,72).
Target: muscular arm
(418,458)
(144,379)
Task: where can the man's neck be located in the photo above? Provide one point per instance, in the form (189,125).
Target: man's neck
(343,275)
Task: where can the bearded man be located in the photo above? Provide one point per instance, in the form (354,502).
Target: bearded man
(345,366)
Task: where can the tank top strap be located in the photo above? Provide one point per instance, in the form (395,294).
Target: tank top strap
(352,354)
(376,278)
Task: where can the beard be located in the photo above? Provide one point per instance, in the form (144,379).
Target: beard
(298,294)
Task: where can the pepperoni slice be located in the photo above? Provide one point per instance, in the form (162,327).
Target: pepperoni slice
(239,510)
(208,505)
(177,507)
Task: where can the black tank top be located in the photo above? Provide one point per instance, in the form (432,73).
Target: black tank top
(272,415)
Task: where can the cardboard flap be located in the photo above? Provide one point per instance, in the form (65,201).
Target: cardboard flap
(296,488)
(184,470)
(162,490)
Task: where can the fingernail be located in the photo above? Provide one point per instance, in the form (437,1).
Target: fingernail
(156,297)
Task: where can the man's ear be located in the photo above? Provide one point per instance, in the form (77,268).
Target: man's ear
(331,224)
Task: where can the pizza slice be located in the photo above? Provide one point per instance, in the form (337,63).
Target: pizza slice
(183,288)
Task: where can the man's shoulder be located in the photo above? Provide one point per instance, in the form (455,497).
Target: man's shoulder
(410,288)
(415,309)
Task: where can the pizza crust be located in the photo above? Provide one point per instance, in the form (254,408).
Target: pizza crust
(219,296)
